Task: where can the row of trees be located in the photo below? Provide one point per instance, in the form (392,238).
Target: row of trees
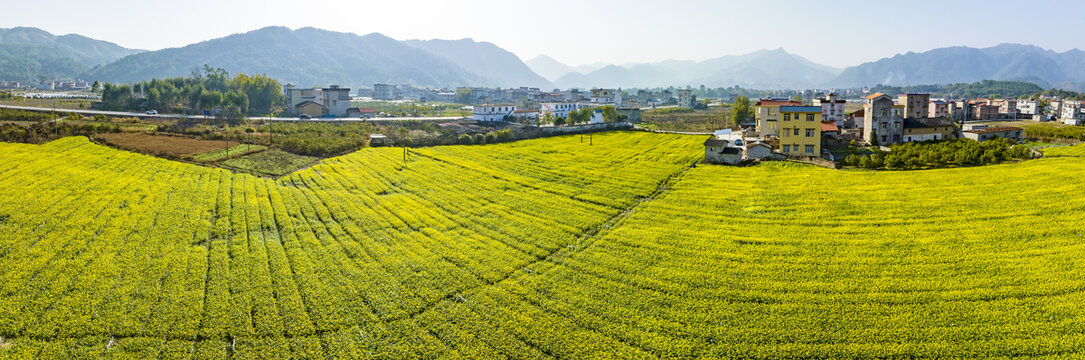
(962,152)
(210,90)
(582,116)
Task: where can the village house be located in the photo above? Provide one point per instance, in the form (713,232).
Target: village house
(883,121)
(492,112)
(983,111)
(557,110)
(938,109)
(361,112)
(987,133)
(928,129)
(724,147)
(768,116)
(915,105)
(332,101)
(527,114)
(686,99)
(800,130)
(1028,107)
(1072,114)
(832,109)
(606,96)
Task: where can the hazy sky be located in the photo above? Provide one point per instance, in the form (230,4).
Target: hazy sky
(837,33)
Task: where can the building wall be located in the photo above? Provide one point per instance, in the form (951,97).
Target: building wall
(1012,134)
(915,105)
(832,110)
(801,131)
(768,121)
(336,101)
(686,99)
(925,134)
(492,112)
(985,112)
(311,109)
(938,109)
(883,120)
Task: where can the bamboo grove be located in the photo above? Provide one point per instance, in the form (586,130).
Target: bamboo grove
(548,248)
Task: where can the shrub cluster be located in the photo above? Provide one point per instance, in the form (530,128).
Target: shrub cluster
(963,152)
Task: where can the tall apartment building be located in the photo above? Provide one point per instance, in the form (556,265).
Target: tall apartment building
(686,99)
(915,105)
(832,109)
(938,109)
(800,130)
(883,121)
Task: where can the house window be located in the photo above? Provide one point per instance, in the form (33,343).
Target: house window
(885,112)
(787,117)
(796,130)
(809,117)
(809,133)
(809,149)
(787,148)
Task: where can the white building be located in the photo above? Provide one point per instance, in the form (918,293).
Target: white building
(597,117)
(493,112)
(295,97)
(558,110)
(686,99)
(606,96)
(1028,107)
(832,109)
(336,100)
(384,92)
(1072,114)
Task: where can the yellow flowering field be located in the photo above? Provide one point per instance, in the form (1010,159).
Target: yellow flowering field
(547,248)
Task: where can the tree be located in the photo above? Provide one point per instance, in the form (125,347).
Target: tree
(464,96)
(96,87)
(873,137)
(741,111)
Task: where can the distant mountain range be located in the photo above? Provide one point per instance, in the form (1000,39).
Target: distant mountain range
(310,56)
(760,69)
(27,54)
(964,65)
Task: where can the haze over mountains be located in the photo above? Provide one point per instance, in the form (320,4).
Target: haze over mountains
(27,54)
(310,56)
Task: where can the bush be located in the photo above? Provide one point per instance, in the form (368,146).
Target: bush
(964,152)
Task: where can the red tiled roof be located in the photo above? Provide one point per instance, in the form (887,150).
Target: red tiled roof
(367,110)
(872,96)
(778,103)
(829,127)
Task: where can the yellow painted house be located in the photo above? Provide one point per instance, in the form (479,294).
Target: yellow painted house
(800,130)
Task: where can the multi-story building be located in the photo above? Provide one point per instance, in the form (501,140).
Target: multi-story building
(1072,114)
(768,116)
(938,109)
(686,99)
(1028,107)
(557,109)
(384,92)
(336,100)
(988,133)
(832,109)
(982,111)
(606,96)
(962,110)
(1008,106)
(883,121)
(800,130)
(1055,107)
(295,97)
(493,112)
(915,105)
